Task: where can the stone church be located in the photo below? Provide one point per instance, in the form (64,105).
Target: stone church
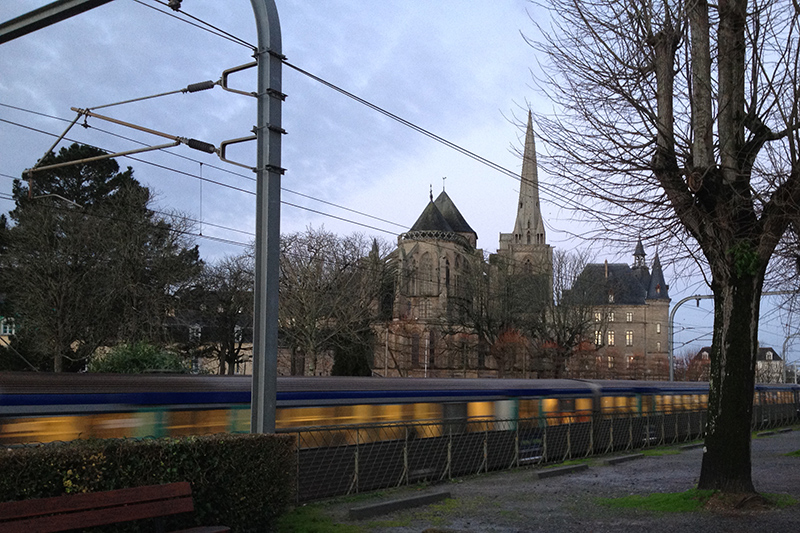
(438,263)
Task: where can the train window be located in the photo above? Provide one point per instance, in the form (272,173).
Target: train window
(648,404)
(528,408)
(583,409)
(550,405)
(480,410)
(205,422)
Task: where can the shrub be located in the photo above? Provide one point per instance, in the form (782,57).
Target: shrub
(138,358)
(242,481)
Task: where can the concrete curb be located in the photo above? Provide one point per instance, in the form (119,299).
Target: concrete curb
(622,458)
(559,471)
(692,446)
(367,511)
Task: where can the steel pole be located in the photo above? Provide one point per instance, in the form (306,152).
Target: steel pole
(699,297)
(268,218)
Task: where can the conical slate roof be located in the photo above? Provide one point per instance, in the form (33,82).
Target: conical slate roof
(639,251)
(452,215)
(658,288)
(431,219)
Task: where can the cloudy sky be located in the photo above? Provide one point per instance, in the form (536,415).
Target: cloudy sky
(458,68)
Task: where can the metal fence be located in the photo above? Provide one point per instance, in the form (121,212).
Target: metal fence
(340,460)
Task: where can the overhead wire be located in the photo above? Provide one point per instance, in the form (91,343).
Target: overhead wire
(495,166)
(238,174)
(232,187)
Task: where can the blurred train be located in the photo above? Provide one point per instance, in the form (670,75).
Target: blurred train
(45,407)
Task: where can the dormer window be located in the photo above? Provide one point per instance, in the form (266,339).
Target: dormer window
(611,297)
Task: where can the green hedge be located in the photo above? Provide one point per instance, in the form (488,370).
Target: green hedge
(241,481)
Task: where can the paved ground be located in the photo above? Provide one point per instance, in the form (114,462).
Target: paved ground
(516,501)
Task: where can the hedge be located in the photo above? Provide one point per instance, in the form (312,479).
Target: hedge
(241,481)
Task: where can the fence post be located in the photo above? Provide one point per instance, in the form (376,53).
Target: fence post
(486,448)
(544,442)
(515,460)
(611,433)
(405,459)
(630,432)
(568,455)
(355,459)
(590,449)
(297,466)
(448,471)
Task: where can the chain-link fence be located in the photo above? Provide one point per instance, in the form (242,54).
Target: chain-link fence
(341,460)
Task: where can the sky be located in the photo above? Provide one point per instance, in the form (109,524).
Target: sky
(458,68)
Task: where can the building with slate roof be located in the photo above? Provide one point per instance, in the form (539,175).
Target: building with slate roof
(437,262)
(433,261)
(631,318)
(526,248)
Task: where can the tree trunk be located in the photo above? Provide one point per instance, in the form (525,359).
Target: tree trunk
(726,460)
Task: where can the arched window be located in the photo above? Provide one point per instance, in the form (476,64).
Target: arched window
(528,238)
(426,273)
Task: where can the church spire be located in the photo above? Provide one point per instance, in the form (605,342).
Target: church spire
(529,227)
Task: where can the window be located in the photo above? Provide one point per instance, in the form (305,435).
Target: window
(768,356)
(414,350)
(427,282)
(658,346)
(658,327)
(630,361)
(431,349)
(7,326)
(629,338)
(195,331)
(610,361)
(611,316)
(598,337)
(611,338)
(628,317)
(425,308)
(611,297)
(598,316)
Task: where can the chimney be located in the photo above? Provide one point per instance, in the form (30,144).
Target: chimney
(606,268)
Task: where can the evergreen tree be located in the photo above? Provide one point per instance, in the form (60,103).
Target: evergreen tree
(88,263)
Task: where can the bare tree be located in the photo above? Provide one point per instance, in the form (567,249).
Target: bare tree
(222,304)
(680,123)
(568,317)
(330,294)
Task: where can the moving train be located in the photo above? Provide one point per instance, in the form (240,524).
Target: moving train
(45,407)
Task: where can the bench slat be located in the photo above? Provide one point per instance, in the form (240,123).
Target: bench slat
(100,517)
(92,500)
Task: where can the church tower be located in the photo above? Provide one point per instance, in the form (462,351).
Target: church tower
(527,246)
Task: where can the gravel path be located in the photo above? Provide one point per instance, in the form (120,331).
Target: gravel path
(516,501)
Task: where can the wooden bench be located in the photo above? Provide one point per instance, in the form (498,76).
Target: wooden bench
(77,511)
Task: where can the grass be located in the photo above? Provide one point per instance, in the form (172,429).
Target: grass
(670,502)
(658,452)
(795,453)
(780,500)
(309,519)
(689,501)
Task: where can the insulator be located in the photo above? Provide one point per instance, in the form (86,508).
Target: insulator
(202,86)
(202,146)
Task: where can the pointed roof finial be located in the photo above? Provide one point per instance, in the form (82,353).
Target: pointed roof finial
(431,192)
(443,178)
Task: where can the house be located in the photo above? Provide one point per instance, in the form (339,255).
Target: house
(631,316)
(770,367)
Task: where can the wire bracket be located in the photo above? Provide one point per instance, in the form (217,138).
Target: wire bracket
(223,81)
(224,145)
